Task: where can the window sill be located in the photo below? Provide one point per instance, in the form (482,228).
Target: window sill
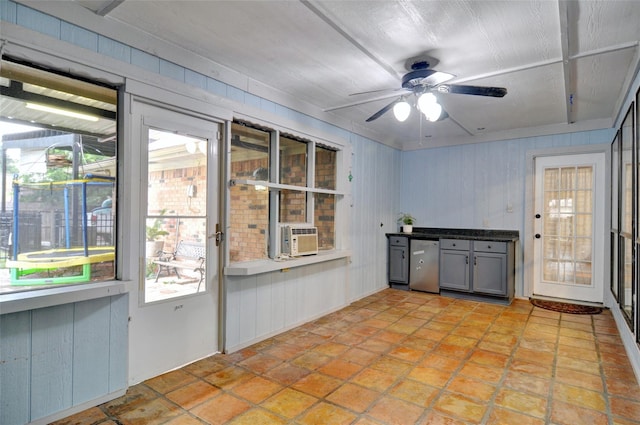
(40,298)
(249,268)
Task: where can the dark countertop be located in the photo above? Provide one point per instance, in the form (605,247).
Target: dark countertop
(470,234)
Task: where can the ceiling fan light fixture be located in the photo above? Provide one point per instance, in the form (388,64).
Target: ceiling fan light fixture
(402,110)
(425,100)
(429,106)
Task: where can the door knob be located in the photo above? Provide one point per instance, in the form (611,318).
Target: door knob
(538,216)
(537,235)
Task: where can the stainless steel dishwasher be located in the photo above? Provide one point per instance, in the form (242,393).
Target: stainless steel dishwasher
(423,265)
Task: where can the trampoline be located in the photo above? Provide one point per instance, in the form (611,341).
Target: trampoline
(41,261)
(40,267)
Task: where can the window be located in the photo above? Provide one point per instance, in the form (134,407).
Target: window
(279,179)
(625,271)
(176,218)
(58,180)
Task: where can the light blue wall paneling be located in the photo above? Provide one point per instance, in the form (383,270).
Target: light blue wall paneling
(263,305)
(145,61)
(8,11)
(37,21)
(91,350)
(15,368)
(195,79)
(114,49)
(79,36)
(171,70)
(471,186)
(54,358)
(374,212)
(118,338)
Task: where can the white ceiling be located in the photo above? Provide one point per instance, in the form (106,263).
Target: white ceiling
(320,52)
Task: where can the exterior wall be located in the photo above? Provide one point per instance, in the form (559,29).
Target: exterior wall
(55,358)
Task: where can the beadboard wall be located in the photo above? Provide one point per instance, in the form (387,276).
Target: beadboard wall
(64,356)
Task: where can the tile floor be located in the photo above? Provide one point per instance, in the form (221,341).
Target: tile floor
(403,358)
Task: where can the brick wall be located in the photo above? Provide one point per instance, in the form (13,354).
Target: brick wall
(249,217)
(249,208)
(168,191)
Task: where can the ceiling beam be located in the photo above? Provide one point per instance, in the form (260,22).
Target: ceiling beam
(566,31)
(388,68)
(108,7)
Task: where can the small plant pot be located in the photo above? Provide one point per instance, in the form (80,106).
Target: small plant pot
(407,228)
(153,247)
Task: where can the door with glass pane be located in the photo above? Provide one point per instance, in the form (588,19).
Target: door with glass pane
(177,303)
(569,227)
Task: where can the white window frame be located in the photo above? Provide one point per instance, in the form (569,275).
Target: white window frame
(341,194)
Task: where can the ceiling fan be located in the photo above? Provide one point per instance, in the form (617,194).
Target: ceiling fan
(422,81)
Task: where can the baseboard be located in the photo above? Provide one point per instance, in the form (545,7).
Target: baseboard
(78,408)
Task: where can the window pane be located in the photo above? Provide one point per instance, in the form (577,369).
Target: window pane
(568,225)
(62,203)
(293,206)
(249,205)
(325,168)
(176,215)
(626,296)
(325,219)
(293,162)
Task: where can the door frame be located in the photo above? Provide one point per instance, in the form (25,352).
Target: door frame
(527,240)
(137,93)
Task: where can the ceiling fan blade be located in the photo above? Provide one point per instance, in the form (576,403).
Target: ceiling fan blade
(389,90)
(438,77)
(382,111)
(473,90)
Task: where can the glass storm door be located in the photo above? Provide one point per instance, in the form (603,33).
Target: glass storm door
(569,227)
(175,321)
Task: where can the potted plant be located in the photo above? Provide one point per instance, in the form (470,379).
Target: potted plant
(154,246)
(407,221)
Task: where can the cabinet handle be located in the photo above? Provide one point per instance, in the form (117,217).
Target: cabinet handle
(403,254)
(475,260)
(466,259)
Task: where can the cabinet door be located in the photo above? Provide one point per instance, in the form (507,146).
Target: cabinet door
(398,264)
(454,270)
(490,273)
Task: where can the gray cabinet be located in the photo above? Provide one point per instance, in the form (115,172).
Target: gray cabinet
(478,268)
(399,260)
(454,265)
(490,267)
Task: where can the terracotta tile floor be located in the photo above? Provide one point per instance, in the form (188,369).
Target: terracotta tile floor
(403,358)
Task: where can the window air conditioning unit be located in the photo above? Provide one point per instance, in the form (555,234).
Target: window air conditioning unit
(299,240)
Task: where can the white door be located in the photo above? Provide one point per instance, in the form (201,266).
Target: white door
(569,227)
(175,318)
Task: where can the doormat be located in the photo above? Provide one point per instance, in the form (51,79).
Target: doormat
(566,307)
